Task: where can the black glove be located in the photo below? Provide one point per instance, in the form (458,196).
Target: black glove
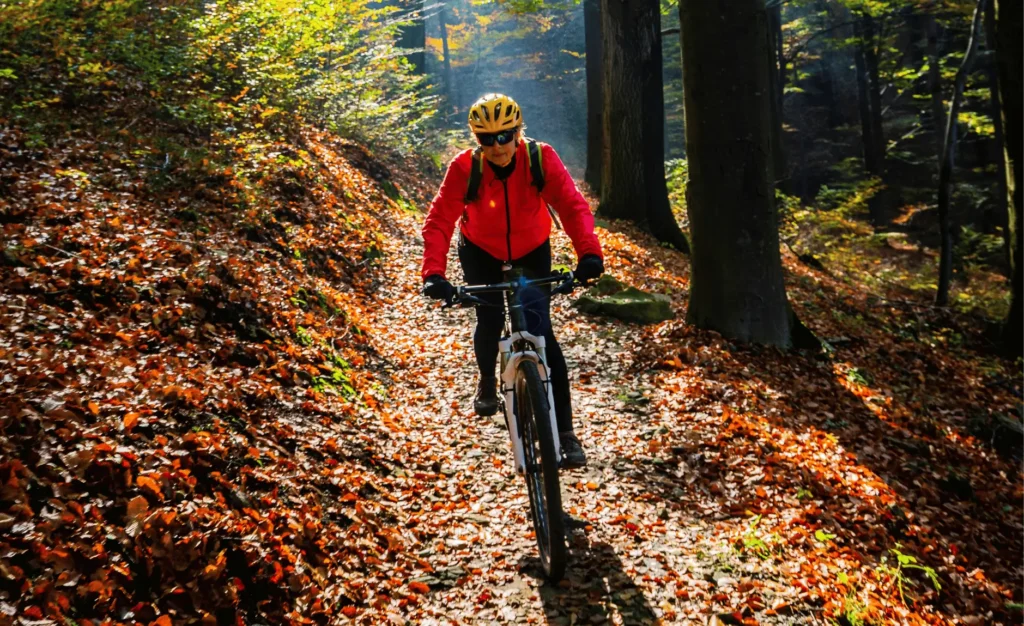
(438,288)
(589,268)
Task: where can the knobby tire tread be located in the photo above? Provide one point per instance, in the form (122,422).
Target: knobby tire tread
(528,381)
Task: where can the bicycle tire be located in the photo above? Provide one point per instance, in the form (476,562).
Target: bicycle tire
(541,478)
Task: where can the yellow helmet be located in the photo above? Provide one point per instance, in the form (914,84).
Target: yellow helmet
(494,113)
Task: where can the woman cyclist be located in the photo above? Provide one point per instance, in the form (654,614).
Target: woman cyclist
(504,218)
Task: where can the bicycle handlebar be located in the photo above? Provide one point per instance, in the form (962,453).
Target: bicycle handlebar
(465,295)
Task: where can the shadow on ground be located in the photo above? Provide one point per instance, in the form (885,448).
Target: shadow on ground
(595,589)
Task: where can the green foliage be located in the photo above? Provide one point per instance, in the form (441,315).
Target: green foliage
(250,63)
(676,174)
(755,542)
(978,248)
(904,563)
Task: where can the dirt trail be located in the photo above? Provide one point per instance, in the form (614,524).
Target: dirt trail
(632,557)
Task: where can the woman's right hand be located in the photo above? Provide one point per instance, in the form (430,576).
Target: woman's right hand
(438,288)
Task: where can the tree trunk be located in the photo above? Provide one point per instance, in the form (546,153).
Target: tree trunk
(875,93)
(829,87)
(935,81)
(864,104)
(414,35)
(949,158)
(595,97)
(633,177)
(777,77)
(1009,55)
(992,70)
(736,285)
(449,88)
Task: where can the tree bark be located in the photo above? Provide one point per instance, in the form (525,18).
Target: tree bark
(1009,55)
(633,177)
(777,77)
(875,92)
(595,94)
(871,165)
(992,70)
(935,81)
(450,95)
(736,285)
(949,158)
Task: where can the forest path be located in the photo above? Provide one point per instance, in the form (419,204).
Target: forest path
(634,558)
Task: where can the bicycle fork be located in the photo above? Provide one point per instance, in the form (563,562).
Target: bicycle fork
(509,363)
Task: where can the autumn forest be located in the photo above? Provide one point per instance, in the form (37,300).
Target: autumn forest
(226,400)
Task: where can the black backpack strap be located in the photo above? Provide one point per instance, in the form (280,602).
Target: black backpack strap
(535,157)
(476,174)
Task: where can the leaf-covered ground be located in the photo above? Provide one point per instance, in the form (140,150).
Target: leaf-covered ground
(224,402)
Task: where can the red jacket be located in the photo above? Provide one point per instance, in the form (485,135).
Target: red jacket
(487,223)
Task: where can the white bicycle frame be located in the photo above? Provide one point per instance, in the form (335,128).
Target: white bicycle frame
(510,363)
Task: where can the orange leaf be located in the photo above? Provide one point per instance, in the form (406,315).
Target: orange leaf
(93,408)
(130,421)
(146,482)
(350,611)
(163,620)
(419,587)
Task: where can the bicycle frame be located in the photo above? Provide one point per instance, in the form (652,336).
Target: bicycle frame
(519,344)
(510,362)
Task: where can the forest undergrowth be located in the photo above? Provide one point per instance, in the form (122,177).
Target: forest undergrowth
(207,418)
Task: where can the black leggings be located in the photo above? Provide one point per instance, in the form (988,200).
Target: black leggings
(480,268)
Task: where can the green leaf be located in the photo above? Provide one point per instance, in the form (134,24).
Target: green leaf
(823,536)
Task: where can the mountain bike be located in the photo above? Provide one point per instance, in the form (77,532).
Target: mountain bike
(527,401)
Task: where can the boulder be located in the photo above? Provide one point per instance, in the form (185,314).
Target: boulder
(611,298)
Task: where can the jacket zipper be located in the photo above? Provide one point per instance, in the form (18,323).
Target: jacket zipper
(508,222)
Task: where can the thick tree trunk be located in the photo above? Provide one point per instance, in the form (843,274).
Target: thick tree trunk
(1009,54)
(736,285)
(777,77)
(935,81)
(633,177)
(992,71)
(595,97)
(949,158)
(449,88)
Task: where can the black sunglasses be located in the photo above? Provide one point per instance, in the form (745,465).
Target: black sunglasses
(502,138)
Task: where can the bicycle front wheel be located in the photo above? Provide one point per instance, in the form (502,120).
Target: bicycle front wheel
(541,469)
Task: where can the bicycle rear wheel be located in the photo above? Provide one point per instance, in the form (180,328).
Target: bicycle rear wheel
(541,469)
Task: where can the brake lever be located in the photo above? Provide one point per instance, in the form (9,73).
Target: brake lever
(456,298)
(566,286)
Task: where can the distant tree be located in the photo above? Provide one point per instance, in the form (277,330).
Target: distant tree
(1009,54)
(736,281)
(413,35)
(869,95)
(949,158)
(449,88)
(996,108)
(595,94)
(633,177)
